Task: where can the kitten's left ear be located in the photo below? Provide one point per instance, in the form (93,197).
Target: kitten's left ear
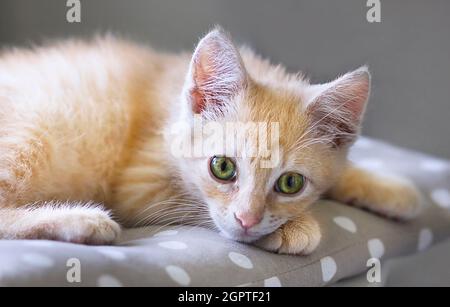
(335,109)
(216,73)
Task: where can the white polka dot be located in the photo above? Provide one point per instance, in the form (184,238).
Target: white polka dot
(425,239)
(272,282)
(173,245)
(166,233)
(112,253)
(329,268)
(376,248)
(370,163)
(38,260)
(441,197)
(109,281)
(178,275)
(433,166)
(241,260)
(345,223)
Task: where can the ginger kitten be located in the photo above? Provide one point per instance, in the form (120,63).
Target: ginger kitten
(86,134)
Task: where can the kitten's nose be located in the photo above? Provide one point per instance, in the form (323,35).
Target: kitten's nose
(247,220)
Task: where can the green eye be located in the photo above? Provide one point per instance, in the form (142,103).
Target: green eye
(290,183)
(223,168)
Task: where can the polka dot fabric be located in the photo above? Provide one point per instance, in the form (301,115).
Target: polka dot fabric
(184,256)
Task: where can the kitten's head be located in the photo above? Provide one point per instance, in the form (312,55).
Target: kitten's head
(246,198)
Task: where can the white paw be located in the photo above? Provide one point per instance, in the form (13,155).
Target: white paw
(294,238)
(81,226)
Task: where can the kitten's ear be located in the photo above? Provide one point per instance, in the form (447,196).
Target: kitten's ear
(216,73)
(336,108)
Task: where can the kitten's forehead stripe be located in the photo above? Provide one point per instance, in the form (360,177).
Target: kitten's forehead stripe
(273,106)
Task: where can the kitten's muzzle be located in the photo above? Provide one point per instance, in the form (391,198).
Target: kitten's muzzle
(247,220)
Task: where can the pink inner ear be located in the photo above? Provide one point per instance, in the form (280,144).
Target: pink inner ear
(217,72)
(198,105)
(203,77)
(356,93)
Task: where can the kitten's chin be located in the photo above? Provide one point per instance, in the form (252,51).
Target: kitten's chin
(244,238)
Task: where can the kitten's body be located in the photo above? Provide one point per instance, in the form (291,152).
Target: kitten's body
(84,123)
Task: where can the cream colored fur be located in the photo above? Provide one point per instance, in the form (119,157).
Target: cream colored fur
(83,129)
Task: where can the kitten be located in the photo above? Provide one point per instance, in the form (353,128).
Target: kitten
(86,126)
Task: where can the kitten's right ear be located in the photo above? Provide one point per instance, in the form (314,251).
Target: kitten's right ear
(216,74)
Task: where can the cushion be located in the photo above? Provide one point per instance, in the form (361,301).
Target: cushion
(190,256)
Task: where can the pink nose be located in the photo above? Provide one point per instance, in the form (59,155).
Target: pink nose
(247,220)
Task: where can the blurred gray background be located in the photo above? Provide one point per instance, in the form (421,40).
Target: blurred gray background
(408,52)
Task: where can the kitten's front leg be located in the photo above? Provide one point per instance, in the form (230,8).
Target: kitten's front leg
(388,195)
(68,222)
(300,236)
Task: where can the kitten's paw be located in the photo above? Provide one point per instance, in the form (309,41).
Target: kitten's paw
(402,200)
(386,194)
(298,237)
(83,226)
(392,196)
